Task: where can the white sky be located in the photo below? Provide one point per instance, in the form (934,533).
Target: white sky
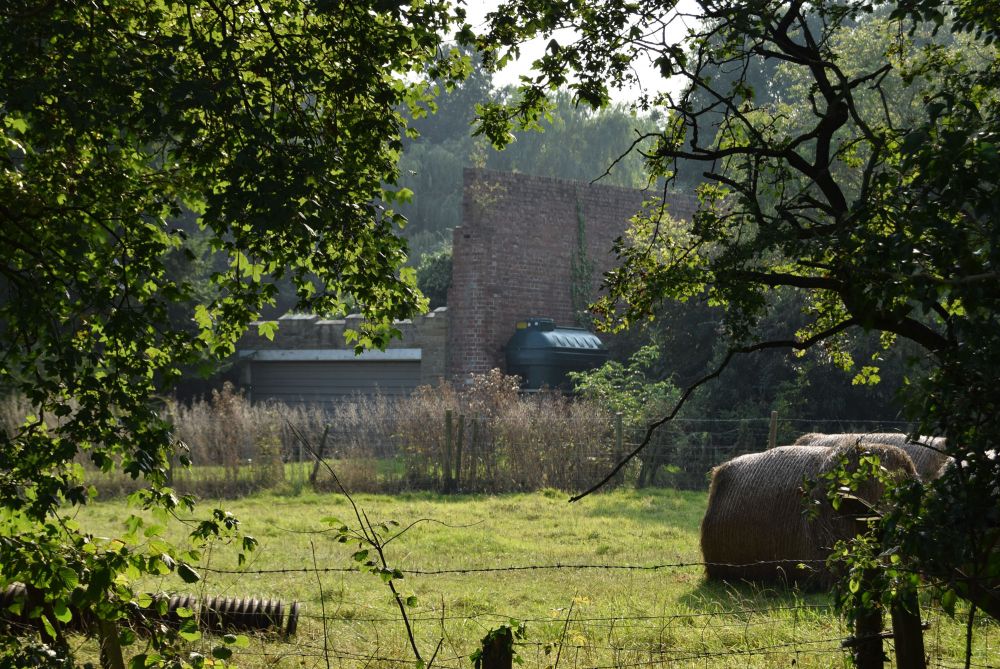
(650,78)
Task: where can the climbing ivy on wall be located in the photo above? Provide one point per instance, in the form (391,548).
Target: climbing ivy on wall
(581,273)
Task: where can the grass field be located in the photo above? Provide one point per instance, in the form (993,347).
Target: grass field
(575,618)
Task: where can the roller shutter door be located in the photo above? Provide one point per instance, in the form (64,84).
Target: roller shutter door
(316,382)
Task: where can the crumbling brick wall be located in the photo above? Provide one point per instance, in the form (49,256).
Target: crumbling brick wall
(513,253)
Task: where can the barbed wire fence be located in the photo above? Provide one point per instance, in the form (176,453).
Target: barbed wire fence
(771,629)
(359,632)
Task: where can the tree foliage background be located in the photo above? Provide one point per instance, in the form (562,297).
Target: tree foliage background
(279,124)
(571,142)
(847,155)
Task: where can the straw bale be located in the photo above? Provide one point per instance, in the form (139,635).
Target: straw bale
(755,514)
(929,462)
(756,527)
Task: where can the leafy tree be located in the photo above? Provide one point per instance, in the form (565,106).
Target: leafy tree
(572,142)
(279,123)
(434,276)
(882,221)
(575,142)
(628,389)
(632,390)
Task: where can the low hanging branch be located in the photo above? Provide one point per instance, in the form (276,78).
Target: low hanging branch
(761,346)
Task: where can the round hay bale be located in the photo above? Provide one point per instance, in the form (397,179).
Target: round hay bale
(756,515)
(756,526)
(925,452)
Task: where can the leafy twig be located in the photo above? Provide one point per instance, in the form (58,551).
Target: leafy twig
(562,637)
(368,535)
(322,605)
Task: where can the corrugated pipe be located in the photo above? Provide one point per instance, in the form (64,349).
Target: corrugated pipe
(218,615)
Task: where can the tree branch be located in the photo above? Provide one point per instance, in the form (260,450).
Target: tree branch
(761,346)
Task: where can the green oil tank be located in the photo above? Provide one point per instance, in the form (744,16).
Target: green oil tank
(542,354)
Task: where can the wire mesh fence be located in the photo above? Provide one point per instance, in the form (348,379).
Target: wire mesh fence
(559,444)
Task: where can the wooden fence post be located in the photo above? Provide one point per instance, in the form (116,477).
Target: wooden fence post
(868,640)
(619,445)
(458,450)
(908,633)
(319,456)
(111,648)
(772,433)
(446,465)
(907,630)
(475,456)
(498,650)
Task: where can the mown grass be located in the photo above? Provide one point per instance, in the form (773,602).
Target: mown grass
(587,617)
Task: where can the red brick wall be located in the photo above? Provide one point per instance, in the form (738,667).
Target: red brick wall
(512,256)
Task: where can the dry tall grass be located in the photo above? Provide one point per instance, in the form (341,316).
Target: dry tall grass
(508,441)
(500,441)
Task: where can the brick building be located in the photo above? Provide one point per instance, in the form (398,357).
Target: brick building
(512,259)
(512,256)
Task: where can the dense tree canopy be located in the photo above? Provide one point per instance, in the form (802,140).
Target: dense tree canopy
(571,142)
(870,191)
(280,124)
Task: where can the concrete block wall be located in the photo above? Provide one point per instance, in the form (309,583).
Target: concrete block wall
(512,255)
(428,332)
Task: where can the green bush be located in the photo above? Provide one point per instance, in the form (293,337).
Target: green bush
(434,276)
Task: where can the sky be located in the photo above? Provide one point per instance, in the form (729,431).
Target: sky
(650,78)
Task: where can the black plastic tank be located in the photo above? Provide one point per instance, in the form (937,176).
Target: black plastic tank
(543,354)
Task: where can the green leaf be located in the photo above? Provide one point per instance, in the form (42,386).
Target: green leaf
(69,577)
(948,600)
(47,624)
(189,630)
(202,317)
(267,329)
(222,653)
(188,574)
(62,612)
(15,123)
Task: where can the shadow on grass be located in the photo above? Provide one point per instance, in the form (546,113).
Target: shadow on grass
(734,596)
